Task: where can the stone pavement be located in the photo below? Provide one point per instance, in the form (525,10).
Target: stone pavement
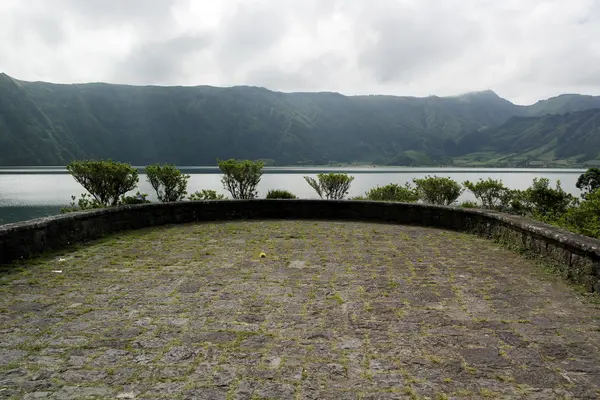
(334,311)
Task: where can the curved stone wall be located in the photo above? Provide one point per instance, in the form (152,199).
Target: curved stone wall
(576,256)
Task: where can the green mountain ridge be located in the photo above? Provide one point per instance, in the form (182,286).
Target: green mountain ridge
(52,124)
(563,104)
(551,139)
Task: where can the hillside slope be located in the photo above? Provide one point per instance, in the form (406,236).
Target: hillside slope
(530,141)
(563,104)
(51,124)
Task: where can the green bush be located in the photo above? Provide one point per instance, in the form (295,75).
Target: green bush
(106,181)
(519,204)
(85,202)
(438,190)
(544,202)
(393,192)
(206,194)
(240,177)
(169,183)
(589,181)
(332,186)
(584,218)
(469,204)
(139,198)
(491,193)
(280,194)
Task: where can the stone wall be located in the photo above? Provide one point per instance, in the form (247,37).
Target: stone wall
(576,256)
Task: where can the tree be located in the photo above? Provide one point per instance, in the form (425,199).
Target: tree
(393,192)
(240,177)
(280,194)
(332,186)
(438,190)
(491,193)
(107,181)
(589,181)
(169,183)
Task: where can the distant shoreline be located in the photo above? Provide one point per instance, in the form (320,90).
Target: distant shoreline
(313,169)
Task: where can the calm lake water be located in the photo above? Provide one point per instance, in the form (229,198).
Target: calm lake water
(28,192)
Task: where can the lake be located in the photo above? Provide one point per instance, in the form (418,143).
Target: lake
(32,192)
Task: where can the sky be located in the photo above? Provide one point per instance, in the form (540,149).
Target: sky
(524,50)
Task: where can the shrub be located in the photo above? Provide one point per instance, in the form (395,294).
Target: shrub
(280,194)
(139,198)
(519,203)
(85,202)
(585,218)
(393,192)
(589,181)
(332,186)
(438,190)
(240,177)
(544,202)
(169,183)
(469,204)
(106,181)
(206,194)
(491,193)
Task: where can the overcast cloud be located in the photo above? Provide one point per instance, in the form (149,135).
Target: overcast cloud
(524,50)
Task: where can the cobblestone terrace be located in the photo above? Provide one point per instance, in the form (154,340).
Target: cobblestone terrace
(334,311)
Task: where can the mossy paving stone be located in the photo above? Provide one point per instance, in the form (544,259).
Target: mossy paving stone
(335,310)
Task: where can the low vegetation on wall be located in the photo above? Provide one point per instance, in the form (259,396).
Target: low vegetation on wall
(107,182)
(280,194)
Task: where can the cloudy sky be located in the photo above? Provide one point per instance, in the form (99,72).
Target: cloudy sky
(522,49)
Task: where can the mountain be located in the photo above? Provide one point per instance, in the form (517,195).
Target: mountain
(26,133)
(52,124)
(563,104)
(552,139)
